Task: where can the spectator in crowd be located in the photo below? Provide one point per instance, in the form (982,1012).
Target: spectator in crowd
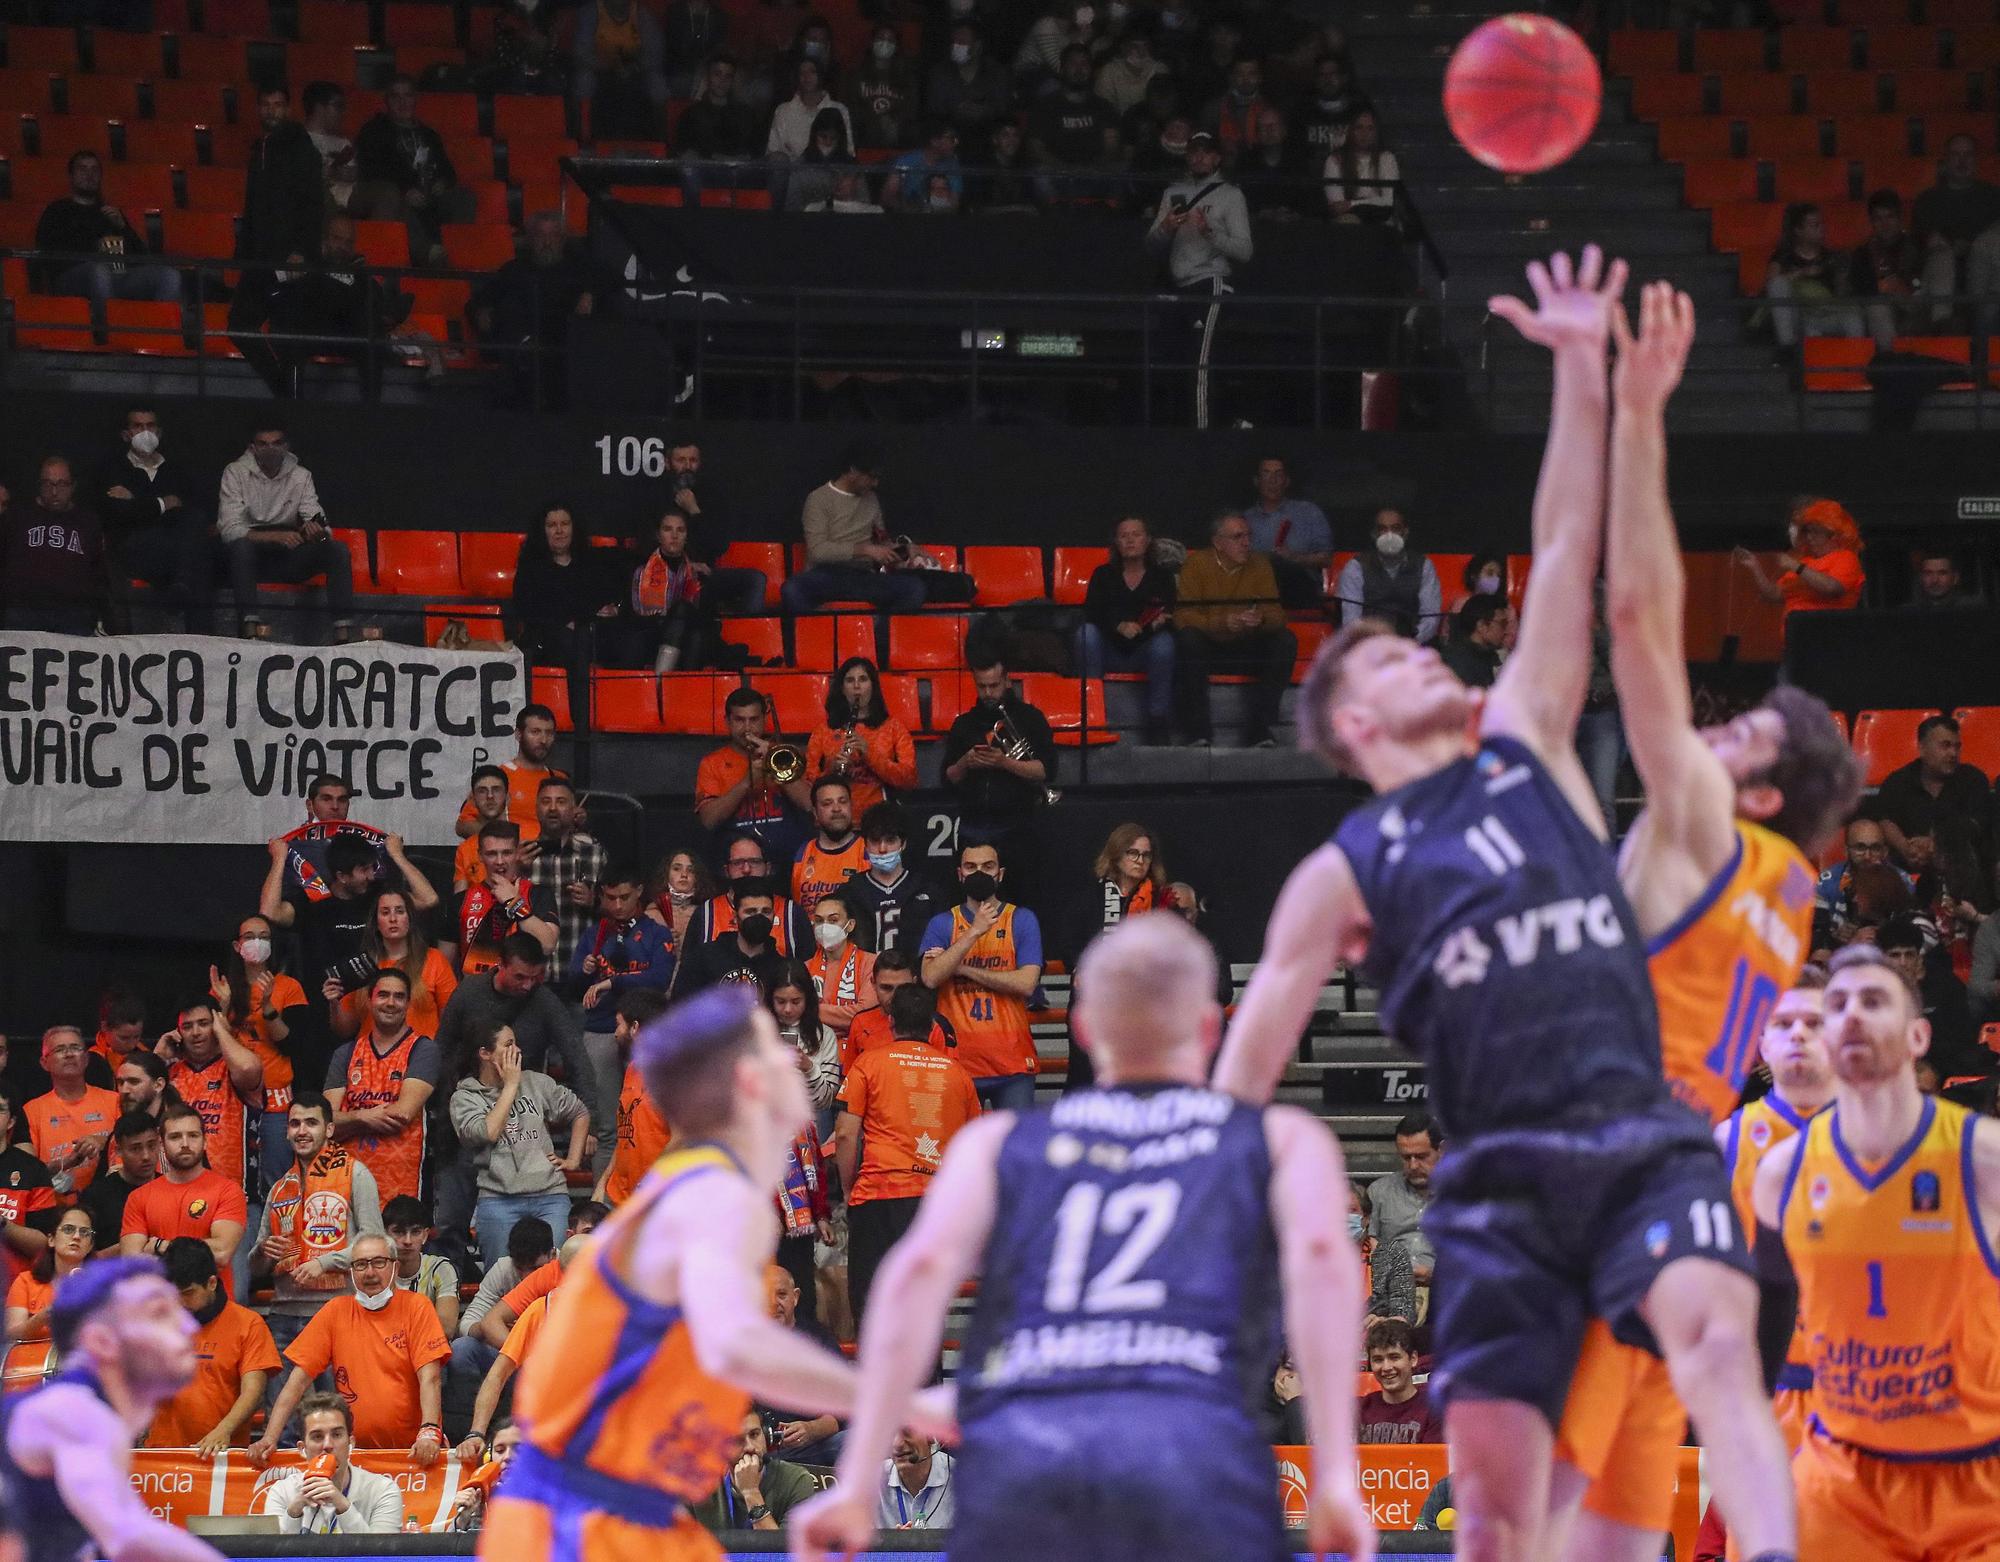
(1064,24)
(1234,116)
(984,960)
(284,205)
(894,968)
(624,952)
(916,1485)
(1228,619)
(849,196)
(273,527)
(1130,879)
(728,588)
(223,1080)
(1951,219)
(534,740)
(860,742)
(469,1507)
(141,1082)
(1806,284)
(796,1003)
(152,530)
(1362,176)
(1479,634)
(504,901)
(1392,1281)
(1160,146)
(678,893)
(892,904)
(692,33)
(849,556)
(137,1138)
(495,1389)
(1000,756)
(1823,569)
(1067,127)
(1203,225)
(620,75)
(323,106)
(715,128)
(899,1109)
(83,223)
(828,160)
(882,96)
(28,1207)
(431,1275)
(33,1290)
(1867,849)
(1182,899)
(666,622)
(346,1501)
(1001,182)
(1392,584)
(1939,584)
(843,973)
(1954,1050)
(489,804)
(378,1084)
(1398,1199)
(1919,802)
(1280,180)
(406,174)
(1330,107)
(234,1354)
(387,1355)
(968,90)
(759,1491)
(567,861)
(1293,533)
(121,1031)
(744,954)
(187,1199)
(340,310)
(531,1248)
(1400,1411)
(54,576)
(794,121)
(1128,622)
(642,1135)
(505,1116)
(523,312)
(1887,271)
(791,934)
(70,1126)
(734,790)
(1483,573)
(561,586)
(835,849)
(1123,78)
(912,176)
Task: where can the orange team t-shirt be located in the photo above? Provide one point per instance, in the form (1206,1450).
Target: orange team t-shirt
(720,771)
(427,1003)
(643,1137)
(55,1124)
(523,783)
(31,1296)
(871,1029)
(818,871)
(162,1208)
(1843,564)
(232,1343)
(537,1283)
(466,868)
(255,1033)
(911,1100)
(521,1338)
(375,1358)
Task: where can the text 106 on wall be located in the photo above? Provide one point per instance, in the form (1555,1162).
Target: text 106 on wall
(628,455)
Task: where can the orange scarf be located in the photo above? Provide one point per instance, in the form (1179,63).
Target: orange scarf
(658,585)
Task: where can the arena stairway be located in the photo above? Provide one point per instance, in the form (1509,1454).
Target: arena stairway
(1615,191)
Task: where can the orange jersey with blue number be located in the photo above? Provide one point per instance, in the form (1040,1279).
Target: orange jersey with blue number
(1896,1290)
(1753,1133)
(992,1027)
(612,1391)
(1723,964)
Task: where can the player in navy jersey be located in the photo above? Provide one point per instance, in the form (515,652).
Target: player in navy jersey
(1134,1244)
(126,1346)
(1476,892)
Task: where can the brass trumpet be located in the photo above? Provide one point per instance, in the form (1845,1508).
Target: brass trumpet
(1007,738)
(783,763)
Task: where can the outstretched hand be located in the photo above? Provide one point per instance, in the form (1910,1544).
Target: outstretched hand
(1650,364)
(1573,303)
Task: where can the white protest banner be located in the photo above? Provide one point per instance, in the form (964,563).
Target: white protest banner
(188,738)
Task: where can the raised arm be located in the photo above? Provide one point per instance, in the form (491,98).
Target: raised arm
(1318,921)
(903,1331)
(1539,693)
(1689,797)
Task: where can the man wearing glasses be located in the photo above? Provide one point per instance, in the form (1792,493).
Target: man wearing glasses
(52,558)
(70,1125)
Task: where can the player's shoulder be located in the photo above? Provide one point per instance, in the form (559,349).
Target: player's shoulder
(1775,1175)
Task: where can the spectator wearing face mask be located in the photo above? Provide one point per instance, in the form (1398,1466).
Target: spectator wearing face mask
(1160,156)
(810,181)
(1392,584)
(892,904)
(911,176)
(155,531)
(743,954)
(1234,116)
(968,90)
(1123,79)
(1330,107)
(882,94)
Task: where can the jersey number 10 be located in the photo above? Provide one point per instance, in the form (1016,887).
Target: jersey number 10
(1143,1213)
(1751,995)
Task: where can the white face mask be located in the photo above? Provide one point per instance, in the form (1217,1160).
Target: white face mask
(829,935)
(146,441)
(255,951)
(885,49)
(1389,544)
(960,53)
(378,1301)
(1489,583)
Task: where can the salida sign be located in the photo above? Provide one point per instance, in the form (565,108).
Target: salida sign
(188,738)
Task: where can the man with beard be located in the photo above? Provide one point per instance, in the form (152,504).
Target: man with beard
(187,1199)
(744,955)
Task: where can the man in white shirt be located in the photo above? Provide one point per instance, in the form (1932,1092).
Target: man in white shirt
(916,1485)
(347,1502)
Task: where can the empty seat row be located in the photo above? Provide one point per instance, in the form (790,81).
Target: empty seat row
(1685,137)
(1708,182)
(1842,363)
(1818,92)
(1881,46)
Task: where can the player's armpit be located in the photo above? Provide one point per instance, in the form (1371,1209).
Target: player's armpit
(1767,1192)
(1986,1177)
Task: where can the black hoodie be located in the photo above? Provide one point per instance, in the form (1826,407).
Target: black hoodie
(284,197)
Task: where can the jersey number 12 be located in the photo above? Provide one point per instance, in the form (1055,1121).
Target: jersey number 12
(1143,1213)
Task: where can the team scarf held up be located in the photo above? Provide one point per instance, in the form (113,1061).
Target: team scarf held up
(305,850)
(802,1198)
(659,585)
(1117,907)
(482,920)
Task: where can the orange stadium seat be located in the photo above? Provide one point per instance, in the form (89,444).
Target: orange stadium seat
(39,180)
(1872,135)
(414,59)
(486,562)
(334,62)
(477,246)
(537,159)
(238,18)
(337,22)
(1843,92)
(189,103)
(1701,135)
(1705,606)
(1959,13)
(201,58)
(214,189)
(1904,48)
(1668,97)
(25,90)
(1906,175)
(1927,91)
(1837,363)
(1784,135)
(629,701)
(1979,736)
(812,644)
(215,342)
(899,693)
(53,324)
(763,638)
(1311,633)
(139,187)
(692,702)
(17,231)
(1846,223)
(1816,48)
(1748,227)
(768,558)
(62,134)
(417,564)
(450,114)
(1074,707)
(1976,47)
(161,141)
(1073,569)
(382,243)
(153,330)
(550,686)
(115,97)
(1006,574)
(405,24)
(1940,127)
(1711,182)
(1813,179)
(516,116)
(854,635)
(471,156)
(925,640)
(137,55)
(1886,740)
(43,48)
(952,696)
(1750,94)
(1636,51)
(799,699)
(1729,49)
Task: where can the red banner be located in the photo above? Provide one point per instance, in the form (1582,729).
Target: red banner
(179,1484)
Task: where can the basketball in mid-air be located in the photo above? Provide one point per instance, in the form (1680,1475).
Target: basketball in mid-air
(1522,93)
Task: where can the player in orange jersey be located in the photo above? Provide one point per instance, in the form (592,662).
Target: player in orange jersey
(1886,1212)
(1718,872)
(659,1338)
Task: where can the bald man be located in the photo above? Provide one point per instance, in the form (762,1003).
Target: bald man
(1130,1241)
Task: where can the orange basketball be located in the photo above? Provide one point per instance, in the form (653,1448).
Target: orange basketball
(1522,93)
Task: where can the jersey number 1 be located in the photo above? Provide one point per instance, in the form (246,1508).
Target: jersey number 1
(1143,1213)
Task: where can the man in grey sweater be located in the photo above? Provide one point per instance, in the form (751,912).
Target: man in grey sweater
(273,527)
(849,557)
(1203,225)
